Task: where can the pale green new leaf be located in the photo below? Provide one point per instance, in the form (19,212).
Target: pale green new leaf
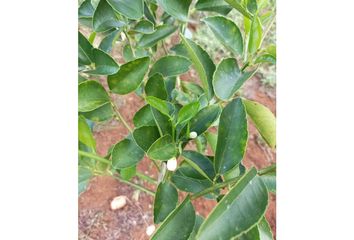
(162,106)
(263,119)
(187,112)
(255,38)
(85,134)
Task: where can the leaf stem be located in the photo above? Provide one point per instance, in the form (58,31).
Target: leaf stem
(215,187)
(119,116)
(94,156)
(134,185)
(130,43)
(146,178)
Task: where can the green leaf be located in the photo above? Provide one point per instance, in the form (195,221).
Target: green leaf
(263,119)
(92,95)
(187,112)
(205,118)
(212,139)
(104,64)
(162,121)
(235,172)
(103,113)
(128,173)
(144,117)
(188,179)
(228,78)
(198,222)
(145,136)
(86,9)
(170,66)
(105,18)
(202,63)
(106,44)
(192,88)
(156,87)
(162,106)
(218,6)
(126,154)
(129,56)
(265,58)
(179,224)
(268,176)
(85,50)
(85,176)
(252,6)
(261,231)
(176,8)
(200,163)
(166,199)
(227,32)
(232,136)
(129,77)
(85,134)
(238,211)
(162,149)
(149,40)
(133,9)
(255,38)
(237,5)
(144,26)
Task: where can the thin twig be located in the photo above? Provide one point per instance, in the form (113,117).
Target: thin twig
(134,185)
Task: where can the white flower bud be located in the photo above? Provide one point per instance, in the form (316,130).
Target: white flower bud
(172,164)
(150,230)
(118,202)
(193,135)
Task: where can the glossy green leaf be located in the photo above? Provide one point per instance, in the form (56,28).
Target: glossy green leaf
(144,26)
(156,87)
(261,231)
(268,176)
(162,121)
(145,136)
(85,134)
(133,9)
(201,143)
(228,78)
(149,40)
(126,154)
(238,6)
(202,63)
(181,97)
(105,18)
(232,136)
(85,50)
(188,179)
(162,149)
(104,64)
(144,117)
(129,77)
(103,113)
(187,112)
(192,88)
(235,172)
(263,119)
(179,224)
(107,43)
(252,6)
(86,9)
(85,176)
(238,211)
(212,139)
(162,106)
(219,6)
(199,162)
(255,38)
(166,199)
(176,8)
(128,173)
(170,66)
(198,222)
(150,11)
(205,118)
(92,95)
(227,32)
